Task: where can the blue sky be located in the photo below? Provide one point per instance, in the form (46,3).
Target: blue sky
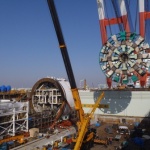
(29,46)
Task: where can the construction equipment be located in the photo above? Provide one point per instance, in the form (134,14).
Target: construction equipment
(100,141)
(18,138)
(85,134)
(92,105)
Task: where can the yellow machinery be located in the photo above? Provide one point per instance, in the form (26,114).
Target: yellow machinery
(92,105)
(84,135)
(18,138)
(83,128)
(99,141)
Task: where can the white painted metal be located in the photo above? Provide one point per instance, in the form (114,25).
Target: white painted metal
(40,97)
(67,91)
(121,103)
(10,113)
(101,11)
(141,6)
(52,96)
(4,100)
(7,106)
(122,7)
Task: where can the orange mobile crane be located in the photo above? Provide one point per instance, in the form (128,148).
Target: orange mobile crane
(85,135)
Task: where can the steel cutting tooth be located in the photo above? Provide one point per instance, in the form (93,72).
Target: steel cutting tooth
(141,49)
(129,43)
(131,70)
(109,73)
(137,49)
(146,56)
(110,64)
(108,67)
(116,51)
(133,56)
(124,66)
(117,65)
(114,58)
(136,67)
(139,40)
(131,63)
(141,72)
(117,43)
(104,59)
(145,45)
(114,37)
(139,61)
(103,49)
(104,67)
(118,71)
(123,47)
(110,53)
(130,50)
(144,64)
(108,44)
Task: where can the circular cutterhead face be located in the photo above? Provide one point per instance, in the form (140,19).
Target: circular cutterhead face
(123,56)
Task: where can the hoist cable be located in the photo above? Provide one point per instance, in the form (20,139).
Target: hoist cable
(108,17)
(116,13)
(146,21)
(127,6)
(130,17)
(136,15)
(149,20)
(126,20)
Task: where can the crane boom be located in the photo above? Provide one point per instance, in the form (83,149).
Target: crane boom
(62,44)
(66,59)
(84,121)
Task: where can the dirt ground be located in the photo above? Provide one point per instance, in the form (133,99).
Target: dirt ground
(103,134)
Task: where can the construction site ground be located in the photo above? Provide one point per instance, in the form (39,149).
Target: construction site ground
(109,131)
(115,144)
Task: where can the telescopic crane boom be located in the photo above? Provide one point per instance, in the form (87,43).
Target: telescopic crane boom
(84,134)
(66,59)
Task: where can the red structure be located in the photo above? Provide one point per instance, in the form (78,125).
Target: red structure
(122,20)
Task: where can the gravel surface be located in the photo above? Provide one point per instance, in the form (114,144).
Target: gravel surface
(102,134)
